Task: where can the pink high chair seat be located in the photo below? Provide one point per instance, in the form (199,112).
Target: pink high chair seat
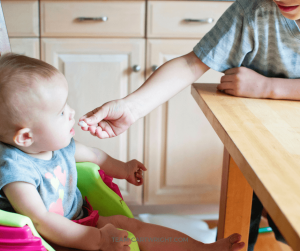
(19,238)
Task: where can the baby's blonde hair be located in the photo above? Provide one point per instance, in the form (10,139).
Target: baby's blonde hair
(18,74)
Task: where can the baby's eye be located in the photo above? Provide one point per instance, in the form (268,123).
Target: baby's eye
(62,113)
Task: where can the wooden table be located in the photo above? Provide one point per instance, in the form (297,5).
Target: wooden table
(261,139)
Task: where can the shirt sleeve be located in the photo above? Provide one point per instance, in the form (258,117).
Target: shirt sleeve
(228,42)
(17,168)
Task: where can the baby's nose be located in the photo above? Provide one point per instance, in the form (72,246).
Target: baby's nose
(72,114)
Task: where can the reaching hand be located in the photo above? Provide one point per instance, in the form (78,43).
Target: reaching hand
(135,172)
(113,239)
(244,82)
(109,120)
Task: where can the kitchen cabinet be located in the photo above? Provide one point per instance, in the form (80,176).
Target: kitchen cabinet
(100,70)
(183,19)
(106,50)
(26,46)
(22,22)
(110,19)
(184,163)
(102,60)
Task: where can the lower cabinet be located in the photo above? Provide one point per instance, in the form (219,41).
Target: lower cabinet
(183,154)
(180,149)
(26,46)
(100,70)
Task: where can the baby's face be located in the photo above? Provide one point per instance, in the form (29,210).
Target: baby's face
(289,8)
(53,129)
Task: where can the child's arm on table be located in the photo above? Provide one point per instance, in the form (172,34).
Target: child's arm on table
(26,200)
(244,82)
(131,171)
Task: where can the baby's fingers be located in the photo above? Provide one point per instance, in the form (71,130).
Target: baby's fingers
(139,179)
(139,171)
(141,166)
(127,241)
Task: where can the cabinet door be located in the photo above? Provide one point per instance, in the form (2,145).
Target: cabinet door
(26,46)
(183,153)
(100,70)
(21,17)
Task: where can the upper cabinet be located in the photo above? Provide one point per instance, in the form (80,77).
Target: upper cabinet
(22,22)
(92,19)
(183,19)
(21,17)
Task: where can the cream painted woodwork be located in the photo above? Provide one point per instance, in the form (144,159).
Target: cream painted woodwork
(26,46)
(182,152)
(183,19)
(184,163)
(124,19)
(21,18)
(100,70)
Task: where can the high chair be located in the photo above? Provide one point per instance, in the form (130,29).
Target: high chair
(17,232)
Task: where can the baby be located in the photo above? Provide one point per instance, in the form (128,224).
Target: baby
(38,175)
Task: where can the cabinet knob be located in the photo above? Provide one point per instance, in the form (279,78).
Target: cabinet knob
(136,68)
(154,67)
(206,20)
(103,19)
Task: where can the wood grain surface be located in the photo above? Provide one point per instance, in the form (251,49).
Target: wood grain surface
(263,137)
(235,208)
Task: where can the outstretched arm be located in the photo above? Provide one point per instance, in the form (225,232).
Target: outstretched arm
(244,82)
(166,82)
(115,117)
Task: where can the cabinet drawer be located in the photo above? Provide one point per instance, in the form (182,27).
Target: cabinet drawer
(167,19)
(21,18)
(124,19)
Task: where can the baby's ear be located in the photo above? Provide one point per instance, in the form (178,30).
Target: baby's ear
(23,137)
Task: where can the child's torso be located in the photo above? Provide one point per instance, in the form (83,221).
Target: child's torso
(54,179)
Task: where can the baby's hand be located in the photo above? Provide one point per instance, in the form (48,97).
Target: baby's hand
(113,239)
(135,172)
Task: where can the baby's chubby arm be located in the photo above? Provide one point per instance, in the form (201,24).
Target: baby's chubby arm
(244,82)
(26,200)
(132,170)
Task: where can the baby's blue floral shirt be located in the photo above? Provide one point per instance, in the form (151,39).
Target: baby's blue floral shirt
(54,179)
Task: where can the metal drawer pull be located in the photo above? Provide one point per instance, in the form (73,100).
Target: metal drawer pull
(206,20)
(104,19)
(154,67)
(136,68)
